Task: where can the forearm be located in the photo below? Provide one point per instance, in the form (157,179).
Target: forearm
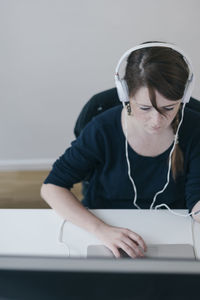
(69,207)
(195,209)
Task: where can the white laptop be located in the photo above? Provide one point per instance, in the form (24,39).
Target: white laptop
(173,251)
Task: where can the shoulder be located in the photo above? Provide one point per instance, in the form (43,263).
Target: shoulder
(190,128)
(192,115)
(191,120)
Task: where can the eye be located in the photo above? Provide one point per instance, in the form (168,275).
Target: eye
(165,108)
(168,108)
(145,108)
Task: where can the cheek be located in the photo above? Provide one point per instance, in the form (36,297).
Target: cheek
(140,115)
(172,116)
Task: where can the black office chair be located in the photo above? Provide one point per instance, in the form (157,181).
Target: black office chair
(105,100)
(100,103)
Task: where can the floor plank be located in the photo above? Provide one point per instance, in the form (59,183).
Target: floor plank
(21,189)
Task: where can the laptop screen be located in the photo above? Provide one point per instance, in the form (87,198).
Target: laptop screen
(64,278)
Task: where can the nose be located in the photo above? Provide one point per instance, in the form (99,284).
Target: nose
(156,118)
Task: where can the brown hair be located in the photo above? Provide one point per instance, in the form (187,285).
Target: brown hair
(165,70)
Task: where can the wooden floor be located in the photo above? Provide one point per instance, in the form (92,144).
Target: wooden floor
(21,189)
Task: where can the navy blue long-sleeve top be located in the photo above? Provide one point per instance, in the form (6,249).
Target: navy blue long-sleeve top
(99,152)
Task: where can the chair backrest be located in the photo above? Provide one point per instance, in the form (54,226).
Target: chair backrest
(105,100)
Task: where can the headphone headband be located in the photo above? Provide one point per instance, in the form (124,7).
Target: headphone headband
(121,84)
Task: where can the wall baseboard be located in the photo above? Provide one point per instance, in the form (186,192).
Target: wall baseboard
(26,164)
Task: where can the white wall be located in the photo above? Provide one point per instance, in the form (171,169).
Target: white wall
(55,54)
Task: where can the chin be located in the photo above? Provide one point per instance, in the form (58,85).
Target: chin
(155,130)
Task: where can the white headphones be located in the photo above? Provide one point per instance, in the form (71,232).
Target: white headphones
(121,85)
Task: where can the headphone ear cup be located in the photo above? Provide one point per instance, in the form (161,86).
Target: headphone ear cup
(188,90)
(122,90)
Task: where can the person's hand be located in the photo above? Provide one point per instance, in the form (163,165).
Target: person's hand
(116,238)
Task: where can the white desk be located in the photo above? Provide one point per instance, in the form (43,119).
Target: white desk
(35,231)
(30,232)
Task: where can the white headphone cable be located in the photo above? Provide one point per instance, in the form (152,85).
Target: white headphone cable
(60,237)
(193,239)
(127,158)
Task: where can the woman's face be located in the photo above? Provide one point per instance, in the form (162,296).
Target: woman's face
(147,117)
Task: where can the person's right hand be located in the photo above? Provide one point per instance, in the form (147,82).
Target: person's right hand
(116,238)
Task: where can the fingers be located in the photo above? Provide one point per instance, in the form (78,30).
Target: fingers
(132,248)
(137,238)
(131,243)
(116,238)
(132,251)
(116,252)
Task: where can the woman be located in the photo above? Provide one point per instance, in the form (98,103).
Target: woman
(156,78)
